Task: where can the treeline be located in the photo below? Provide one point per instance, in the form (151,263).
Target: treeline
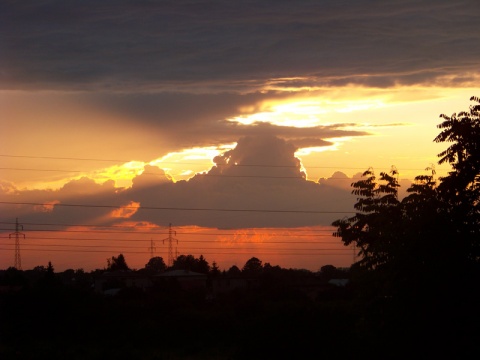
(13,280)
(285,312)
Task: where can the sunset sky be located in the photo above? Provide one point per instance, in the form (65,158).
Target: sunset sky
(242,124)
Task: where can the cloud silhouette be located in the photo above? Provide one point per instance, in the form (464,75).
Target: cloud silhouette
(259,183)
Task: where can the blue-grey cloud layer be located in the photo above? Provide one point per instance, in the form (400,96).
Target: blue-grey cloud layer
(233,45)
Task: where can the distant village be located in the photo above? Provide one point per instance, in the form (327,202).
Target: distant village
(186,274)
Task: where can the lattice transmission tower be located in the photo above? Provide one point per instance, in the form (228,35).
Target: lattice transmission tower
(170,240)
(17,234)
(152,248)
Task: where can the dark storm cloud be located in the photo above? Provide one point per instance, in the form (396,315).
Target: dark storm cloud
(177,108)
(203,135)
(190,120)
(121,45)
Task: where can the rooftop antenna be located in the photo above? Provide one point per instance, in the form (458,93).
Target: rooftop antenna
(17,234)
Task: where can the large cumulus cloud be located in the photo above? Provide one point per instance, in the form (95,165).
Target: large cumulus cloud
(259,183)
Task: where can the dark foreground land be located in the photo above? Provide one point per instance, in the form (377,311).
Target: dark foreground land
(286,316)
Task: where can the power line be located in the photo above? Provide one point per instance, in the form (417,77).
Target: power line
(199,174)
(256,248)
(128,231)
(47,170)
(158,227)
(62,158)
(203,253)
(147,173)
(192,241)
(180,208)
(160,233)
(278,232)
(185,163)
(184,241)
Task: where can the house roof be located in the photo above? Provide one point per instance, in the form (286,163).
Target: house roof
(181,273)
(112,292)
(119,273)
(339,282)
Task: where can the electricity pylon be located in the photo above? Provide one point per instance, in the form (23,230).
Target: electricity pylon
(17,234)
(152,248)
(170,239)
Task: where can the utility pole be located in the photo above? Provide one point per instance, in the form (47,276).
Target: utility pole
(170,240)
(17,234)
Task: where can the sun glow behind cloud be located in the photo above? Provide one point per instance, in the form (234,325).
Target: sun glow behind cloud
(126,211)
(314,106)
(351,107)
(308,112)
(184,164)
(177,166)
(336,143)
(121,174)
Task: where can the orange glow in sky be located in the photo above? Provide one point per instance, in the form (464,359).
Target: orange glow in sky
(247,149)
(89,247)
(401,124)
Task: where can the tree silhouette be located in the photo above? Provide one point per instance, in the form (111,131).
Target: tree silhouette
(50,271)
(374,227)
(189,262)
(13,277)
(463,131)
(214,270)
(234,271)
(253,266)
(184,262)
(155,265)
(432,218)
(419,257)
(460,190)
(117,263)
(202,265)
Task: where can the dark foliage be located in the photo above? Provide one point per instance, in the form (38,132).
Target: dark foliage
(117,263)
(273,320)
(419,266)
(191,263)
(155,265)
